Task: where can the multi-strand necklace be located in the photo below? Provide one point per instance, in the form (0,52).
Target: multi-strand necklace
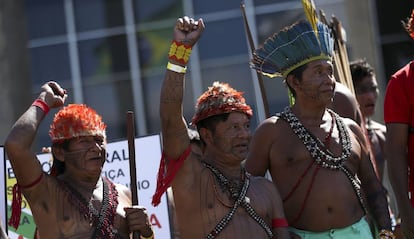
(101,220)
(321,154)
(316,148)
(238,195)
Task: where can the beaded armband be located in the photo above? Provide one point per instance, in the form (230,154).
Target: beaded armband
(386,234)
(179,52)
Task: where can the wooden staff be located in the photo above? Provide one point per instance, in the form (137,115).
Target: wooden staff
(132,165)
(252,48)
(343,53)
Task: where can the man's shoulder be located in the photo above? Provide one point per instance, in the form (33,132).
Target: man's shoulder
(270,124)
(404,73)
(377,126)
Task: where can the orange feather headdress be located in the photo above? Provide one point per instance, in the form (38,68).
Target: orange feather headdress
(76,120)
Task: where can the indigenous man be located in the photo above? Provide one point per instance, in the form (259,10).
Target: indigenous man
(366,90)
(318,160)
(76,202)
(214,196)
(197,148)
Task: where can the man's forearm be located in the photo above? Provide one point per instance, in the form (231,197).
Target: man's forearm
(398,175)
(24,130)
(378,207)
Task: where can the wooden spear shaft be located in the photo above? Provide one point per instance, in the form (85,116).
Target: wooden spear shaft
(132,164)
(343,54)
(252,48)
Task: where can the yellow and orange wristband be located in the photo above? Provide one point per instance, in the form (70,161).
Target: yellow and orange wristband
(179,52)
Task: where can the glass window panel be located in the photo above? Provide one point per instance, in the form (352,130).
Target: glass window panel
(106,80)
(223,38)
(157,10)
(45,18)
(276,93)
(202,6)
(238,75)
(153,47)
(265,2)
(268,24)
(102,57)
(98,14)
(152,89)
(111,100)
(50,63)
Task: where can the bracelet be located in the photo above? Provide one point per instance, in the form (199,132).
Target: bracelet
(42,105)
(279,222)
(150,237)
(176,68)
(386,234)
(179,52)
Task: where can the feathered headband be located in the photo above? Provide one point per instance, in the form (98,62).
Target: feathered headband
(293,47)
(76,120)
(220,98)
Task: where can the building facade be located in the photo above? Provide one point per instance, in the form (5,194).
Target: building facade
(112,54)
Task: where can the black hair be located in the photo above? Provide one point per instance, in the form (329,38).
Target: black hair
(360,69)
(297,73)
(58,165)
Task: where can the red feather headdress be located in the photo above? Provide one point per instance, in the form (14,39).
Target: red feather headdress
(76,120)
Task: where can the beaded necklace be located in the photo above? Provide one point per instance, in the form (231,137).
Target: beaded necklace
(102,220)
(240,199)
(320,154)
(315,147)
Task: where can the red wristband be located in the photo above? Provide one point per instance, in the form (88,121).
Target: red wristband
(42,105)
(279,222)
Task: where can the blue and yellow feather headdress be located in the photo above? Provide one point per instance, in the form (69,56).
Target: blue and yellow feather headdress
(293,47)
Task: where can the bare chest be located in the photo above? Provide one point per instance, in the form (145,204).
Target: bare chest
(67,216)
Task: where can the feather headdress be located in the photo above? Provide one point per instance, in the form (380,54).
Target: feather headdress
(220,98)
(76,120)
(293,47)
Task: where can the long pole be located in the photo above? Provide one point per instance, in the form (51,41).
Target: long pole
(252,48)
(132,165)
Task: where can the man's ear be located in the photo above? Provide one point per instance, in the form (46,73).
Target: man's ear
(58,153)
(206,135)
(293,82)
